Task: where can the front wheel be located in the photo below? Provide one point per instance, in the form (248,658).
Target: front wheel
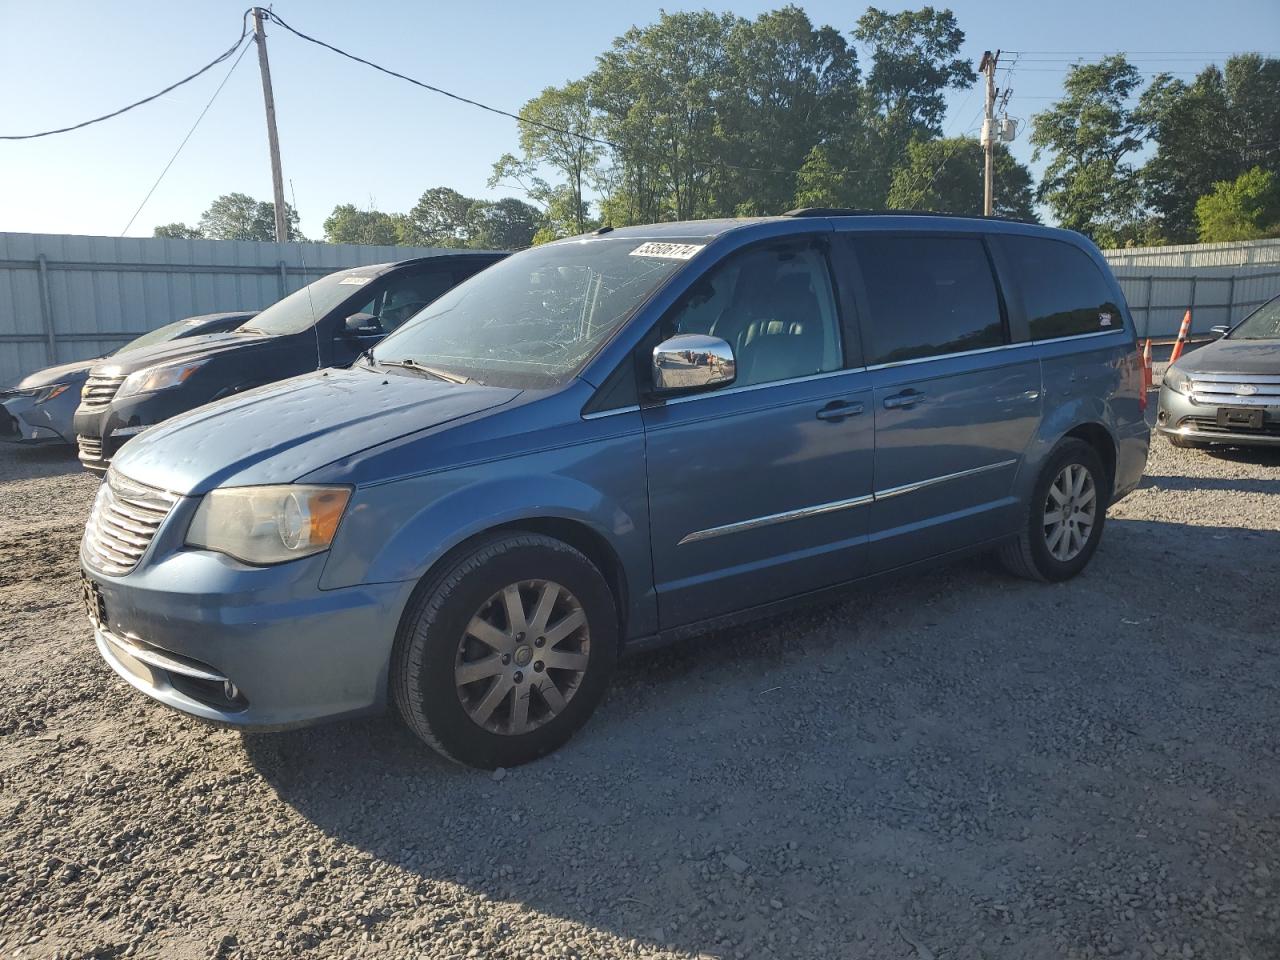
(1064,518)
(506,652)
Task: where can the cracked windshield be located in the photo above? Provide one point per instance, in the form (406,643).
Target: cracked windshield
(533,320)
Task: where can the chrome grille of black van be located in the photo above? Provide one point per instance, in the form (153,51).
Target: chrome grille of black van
(123,521)
(99,391)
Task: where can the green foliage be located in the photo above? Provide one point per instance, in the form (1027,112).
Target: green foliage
(1246,208)
(439,219)
(347,224)
(946,176)
(237,216)
(1212,130)
(1090,183)
(179,231)
(506,224)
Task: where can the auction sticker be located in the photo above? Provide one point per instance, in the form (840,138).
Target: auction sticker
(355,281)
(667,251)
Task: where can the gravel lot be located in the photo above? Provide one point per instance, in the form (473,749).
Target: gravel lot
(954,765)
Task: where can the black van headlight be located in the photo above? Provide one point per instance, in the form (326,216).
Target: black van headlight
(266,525)
(151,379)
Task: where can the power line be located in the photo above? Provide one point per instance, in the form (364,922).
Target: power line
(185,139)
(244,32)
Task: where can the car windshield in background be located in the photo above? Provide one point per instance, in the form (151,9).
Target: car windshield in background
(159,335)
(302,308)
(535,318)
(1264,324)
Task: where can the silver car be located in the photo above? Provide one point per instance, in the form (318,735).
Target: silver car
(1229,391)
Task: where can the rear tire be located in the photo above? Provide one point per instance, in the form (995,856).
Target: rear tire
(505,651)
(1064,518)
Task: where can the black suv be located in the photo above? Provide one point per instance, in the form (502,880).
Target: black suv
(325,324)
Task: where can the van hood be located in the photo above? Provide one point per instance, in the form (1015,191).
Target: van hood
(1234,356)
(283,431)
(178,351)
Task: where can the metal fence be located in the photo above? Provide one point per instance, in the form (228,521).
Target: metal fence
(66,297)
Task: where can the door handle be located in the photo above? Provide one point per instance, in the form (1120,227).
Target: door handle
(839,409)
(904,400)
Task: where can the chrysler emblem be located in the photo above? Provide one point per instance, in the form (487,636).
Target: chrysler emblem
(1245,389)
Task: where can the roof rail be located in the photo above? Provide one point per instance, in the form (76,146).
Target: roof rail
(858,212)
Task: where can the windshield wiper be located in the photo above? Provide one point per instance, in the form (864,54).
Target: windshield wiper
(408,363)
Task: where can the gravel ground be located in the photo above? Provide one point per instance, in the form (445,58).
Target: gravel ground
(954,765)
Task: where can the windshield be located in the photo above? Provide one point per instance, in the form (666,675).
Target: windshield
(159,335)
(1263,323)
(302,308)
(535,318)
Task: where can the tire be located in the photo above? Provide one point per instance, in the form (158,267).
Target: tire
(1030,555)
(1183,444)
(486,722)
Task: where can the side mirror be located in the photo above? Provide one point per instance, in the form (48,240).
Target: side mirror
(1220,330)
(692,361)
(362,325)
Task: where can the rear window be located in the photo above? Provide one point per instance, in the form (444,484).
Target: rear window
(1064,292)
(928,296)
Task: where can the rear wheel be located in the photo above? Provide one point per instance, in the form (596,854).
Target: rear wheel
(1065,517)
(504,654)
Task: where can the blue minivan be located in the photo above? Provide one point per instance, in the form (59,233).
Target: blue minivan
(608,442)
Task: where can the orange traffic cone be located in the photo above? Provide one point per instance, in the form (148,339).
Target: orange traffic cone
(1181,343)
(1146,366)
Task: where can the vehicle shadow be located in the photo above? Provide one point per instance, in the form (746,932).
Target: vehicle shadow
(43,460)
(739,789)
(1263,456)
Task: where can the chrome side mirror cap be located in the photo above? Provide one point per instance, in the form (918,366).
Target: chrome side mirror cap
(692,361)
(1220,330)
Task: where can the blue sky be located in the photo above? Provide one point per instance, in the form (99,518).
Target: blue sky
(350,135)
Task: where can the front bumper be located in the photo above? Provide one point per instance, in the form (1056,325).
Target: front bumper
(102,430)
(245,646)
(24,421)
(1179,416)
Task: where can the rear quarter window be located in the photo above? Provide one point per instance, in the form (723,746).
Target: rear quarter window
(1063,291)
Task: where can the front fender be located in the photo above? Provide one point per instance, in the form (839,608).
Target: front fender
(398,530)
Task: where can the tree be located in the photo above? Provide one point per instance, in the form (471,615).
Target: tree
(560,133)
(1212,130)
(656,91)
(348,224)
(179,231)
(439,219)
(1247,208)
(1090,133)
(237,216)
(946,176)
(506,224)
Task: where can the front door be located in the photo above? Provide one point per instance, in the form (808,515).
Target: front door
(955,402)
(760,490)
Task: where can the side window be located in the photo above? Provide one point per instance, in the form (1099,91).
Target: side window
(406,294)
(1063,290)
(927,297)
(775,307)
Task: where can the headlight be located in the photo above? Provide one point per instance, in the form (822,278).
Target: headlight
(265,525)
(45,394)
(1178,381)
(152,379)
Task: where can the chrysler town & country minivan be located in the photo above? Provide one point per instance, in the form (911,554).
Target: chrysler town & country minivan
(609,441)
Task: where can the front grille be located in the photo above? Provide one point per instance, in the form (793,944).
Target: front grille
(1235,389)
(124,519)
(1270,428)
(98,392)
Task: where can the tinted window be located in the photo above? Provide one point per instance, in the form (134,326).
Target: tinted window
(928,296)
(1063,290)
(774,306)
(1263,324)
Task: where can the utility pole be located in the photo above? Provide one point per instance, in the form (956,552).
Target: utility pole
(988,67)
(273,140)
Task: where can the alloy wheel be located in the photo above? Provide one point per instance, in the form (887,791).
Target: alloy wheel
(1070,512)
(522,657)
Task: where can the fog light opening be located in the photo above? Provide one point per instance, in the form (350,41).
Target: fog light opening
(230,690)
